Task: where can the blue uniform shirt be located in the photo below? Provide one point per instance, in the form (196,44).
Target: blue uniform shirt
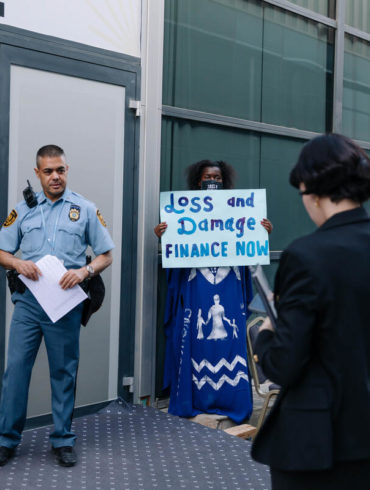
(63,228)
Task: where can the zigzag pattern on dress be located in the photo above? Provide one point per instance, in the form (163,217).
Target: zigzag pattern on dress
(224,379)
(222,362)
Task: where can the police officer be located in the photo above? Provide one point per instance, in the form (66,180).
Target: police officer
(62,223)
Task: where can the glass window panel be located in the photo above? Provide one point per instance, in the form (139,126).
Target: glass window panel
(323,7)
(212,56)
(356,89)
(270,272)
(219,54)
(358,14)
(284,204)
(185,142)
(297,71)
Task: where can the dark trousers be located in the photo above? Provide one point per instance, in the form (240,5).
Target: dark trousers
(348,475)
(29,324)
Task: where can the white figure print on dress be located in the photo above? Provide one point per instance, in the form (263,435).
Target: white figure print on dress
(187,316)
(217,313)
(200,323)
(235,329)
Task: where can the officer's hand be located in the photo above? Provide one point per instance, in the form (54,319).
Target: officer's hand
(73,277)
(28,269)
(160,229)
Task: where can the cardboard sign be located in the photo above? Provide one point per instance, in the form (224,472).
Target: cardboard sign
(214,228)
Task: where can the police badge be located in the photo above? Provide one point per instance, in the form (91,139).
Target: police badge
(74,212)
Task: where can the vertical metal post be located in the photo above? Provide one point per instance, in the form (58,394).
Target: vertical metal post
(148,208)
(339,68)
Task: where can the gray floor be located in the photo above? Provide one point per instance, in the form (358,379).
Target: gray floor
(130,447)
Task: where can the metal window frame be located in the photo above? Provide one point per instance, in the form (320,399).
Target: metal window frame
(244,124)
(303,12)
(338,68)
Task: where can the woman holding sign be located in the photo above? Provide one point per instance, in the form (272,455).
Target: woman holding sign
(317,434)
(206,360)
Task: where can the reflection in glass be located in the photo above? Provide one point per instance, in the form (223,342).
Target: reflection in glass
(358,14)
(297,71)
(323,7)
(213,55)
(356,89)
(185,142)
(284,205)
(249,60)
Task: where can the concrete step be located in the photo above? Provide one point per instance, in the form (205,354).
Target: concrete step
(213,421)
(244,431)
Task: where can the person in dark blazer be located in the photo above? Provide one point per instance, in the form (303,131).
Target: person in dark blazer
(317,435)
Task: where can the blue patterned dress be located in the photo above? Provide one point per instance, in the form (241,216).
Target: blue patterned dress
(206,358)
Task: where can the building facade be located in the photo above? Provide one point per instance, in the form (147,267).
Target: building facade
(137,90)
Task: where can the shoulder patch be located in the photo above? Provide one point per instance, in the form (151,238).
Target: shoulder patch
(101,219)
(11,218)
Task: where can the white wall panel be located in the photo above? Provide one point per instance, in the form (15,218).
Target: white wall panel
(106,24)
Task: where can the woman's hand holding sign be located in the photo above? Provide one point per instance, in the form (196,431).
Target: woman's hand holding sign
(160,229)
(266,223)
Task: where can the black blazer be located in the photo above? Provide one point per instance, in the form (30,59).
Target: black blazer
(320,352)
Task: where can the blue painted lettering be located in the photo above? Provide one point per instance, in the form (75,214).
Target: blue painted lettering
(183,201)
(213,252)
(168,250)
(250,201)
(184,250)
(241,202)
(208,201)
(240,248)
(251,249)
(229,224)
(194,250)
(170,208)
(182,230)
(240,227)
(251,223)
(203,225)
(204,249)
(197,207)
(263,249)
(217,223)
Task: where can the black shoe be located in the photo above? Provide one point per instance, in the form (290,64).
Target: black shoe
(66,455)
(5,454)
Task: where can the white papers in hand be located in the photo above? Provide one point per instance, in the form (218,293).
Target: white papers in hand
(55,301)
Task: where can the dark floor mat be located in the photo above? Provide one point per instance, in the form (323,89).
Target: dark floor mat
(130,447)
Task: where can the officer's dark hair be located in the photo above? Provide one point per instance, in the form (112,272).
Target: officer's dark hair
(332,165)
(50,151)
(194,173)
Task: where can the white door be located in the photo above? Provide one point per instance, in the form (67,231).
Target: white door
(86,118)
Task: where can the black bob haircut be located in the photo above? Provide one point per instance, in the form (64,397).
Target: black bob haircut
(194,173)
(332,165)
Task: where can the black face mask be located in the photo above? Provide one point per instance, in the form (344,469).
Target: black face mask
(213,185)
